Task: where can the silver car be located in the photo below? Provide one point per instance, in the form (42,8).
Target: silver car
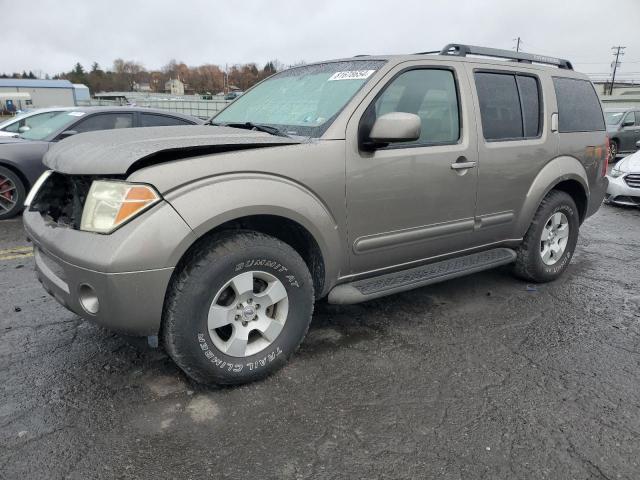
(624,181)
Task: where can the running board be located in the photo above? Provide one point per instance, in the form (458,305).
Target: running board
(387,284)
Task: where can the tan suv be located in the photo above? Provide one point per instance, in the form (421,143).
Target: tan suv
(349,179)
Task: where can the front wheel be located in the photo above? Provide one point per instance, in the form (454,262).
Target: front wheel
(12,194)
(548,245)
(238,309)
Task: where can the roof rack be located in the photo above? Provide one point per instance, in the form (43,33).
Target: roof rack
(464,50)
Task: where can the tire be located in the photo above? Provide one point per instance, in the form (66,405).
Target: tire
(208,290)
(614,148)
(12,194)
(530,262)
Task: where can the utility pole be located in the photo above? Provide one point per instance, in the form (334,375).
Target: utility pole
(518,41)
(619,50)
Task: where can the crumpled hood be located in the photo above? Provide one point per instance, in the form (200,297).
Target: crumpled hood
(630,164)
(124,150)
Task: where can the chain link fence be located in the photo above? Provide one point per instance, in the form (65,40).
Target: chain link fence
(187,104)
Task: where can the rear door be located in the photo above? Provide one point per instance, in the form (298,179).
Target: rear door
(158,120)
(104,121)
(514,142)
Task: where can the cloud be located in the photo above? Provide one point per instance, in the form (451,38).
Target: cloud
(54,35)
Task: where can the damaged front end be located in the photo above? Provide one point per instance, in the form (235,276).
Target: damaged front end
(61,198)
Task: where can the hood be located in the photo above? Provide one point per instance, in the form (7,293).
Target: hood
(125,150)
(630,164)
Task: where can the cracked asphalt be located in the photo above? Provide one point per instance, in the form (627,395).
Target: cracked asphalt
(481,377)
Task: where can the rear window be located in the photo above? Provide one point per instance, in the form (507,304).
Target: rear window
(152,120)
(579,108)
(510,106)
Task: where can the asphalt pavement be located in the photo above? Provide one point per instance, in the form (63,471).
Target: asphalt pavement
(480,377)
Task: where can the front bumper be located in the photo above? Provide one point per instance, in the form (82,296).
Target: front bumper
(127,272)
(620,193)
(129,303)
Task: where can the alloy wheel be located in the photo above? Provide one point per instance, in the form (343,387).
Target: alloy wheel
(554,239)
(8,194)
(248,313)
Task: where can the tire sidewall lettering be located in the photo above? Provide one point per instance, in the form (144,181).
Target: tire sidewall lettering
(262,263)
(233,367)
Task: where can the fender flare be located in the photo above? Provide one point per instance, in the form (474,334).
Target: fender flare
(211,202)
(558,170)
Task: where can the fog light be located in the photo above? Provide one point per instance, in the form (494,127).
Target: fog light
(88,299)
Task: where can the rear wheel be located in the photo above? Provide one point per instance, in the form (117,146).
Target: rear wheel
(12,194)
(238,309)
(549,243)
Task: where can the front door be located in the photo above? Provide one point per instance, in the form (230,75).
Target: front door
(409,202)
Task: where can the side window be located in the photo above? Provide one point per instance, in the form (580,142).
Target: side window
(429,93)
(579,108)
(631,117)
(530,100)
(105,121)
(637,119)
(510,106)
(152,120)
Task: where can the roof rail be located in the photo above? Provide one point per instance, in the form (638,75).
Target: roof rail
(464,50)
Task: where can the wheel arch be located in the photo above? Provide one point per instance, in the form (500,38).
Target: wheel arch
(563,173)
(14,168)
(274,206)
(288,231)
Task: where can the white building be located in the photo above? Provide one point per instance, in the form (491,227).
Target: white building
(174,87)
(40,93)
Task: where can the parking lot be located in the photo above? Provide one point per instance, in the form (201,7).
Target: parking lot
(482,377)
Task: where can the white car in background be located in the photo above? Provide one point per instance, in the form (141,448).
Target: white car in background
(624,181)
(26,121)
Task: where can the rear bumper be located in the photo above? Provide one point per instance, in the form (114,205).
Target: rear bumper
(619,192)
(596,195)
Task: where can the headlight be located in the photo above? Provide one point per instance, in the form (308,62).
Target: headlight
(615,173)
(110,204)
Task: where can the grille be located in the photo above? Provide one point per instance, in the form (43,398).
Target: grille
(61,198)
(633,180)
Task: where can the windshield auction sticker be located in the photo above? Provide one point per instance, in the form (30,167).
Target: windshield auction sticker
(351,75)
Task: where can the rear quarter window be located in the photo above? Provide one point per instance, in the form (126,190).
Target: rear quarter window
(579,108)
(153,120)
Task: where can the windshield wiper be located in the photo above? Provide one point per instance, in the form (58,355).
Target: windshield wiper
(253,126)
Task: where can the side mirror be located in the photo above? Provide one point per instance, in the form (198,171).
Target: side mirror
(628,123)
(24,128)
(67,133)
(395,127)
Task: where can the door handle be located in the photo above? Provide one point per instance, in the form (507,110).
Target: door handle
(462,164)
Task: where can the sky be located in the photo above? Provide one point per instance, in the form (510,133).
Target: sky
(50,36)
